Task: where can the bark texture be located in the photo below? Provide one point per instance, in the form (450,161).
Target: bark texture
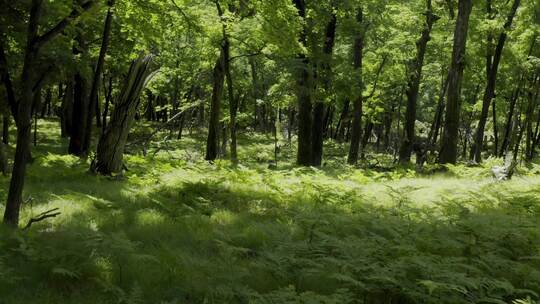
(110,152)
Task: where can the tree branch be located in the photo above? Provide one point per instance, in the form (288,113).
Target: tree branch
(190,23)
(41,80)
(381,67)
(59,28)
(43,216)
(245,55)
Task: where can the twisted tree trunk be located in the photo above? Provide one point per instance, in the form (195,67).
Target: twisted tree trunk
(110,152)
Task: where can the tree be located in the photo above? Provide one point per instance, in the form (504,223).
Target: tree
(449,147)
(413,85)
(304,83)
(110,151)
(356,132)
(96,82)
(492,71)
(317,131)
(22,106)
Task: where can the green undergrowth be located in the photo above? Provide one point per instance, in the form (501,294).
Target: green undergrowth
(178,230)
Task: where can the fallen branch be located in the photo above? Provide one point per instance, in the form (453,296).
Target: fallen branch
(43,216)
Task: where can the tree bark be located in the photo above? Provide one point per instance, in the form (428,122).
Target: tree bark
(449,147)
(110,151)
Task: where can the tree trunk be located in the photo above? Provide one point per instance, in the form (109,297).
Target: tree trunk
(224,140)
(233,102)
(303,83)
(110,152)
(450,136)
(317,137)
(3,159)
(5,128)
(495,128)
(212,146)
(93,100)
(476,152)
(413,86)
(23,120)
(339,132)
(150,112)
(46,106)
(108,100)
(22,110)
(80,106)
(532,104)
(437,120)
(37,105)
(66,115)
(317,130)
(356,132)
(329,122)
(365,138)
(509,121)
(388,121)
(255,92)
(520,130)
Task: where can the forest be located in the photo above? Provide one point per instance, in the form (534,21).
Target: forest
(270,151)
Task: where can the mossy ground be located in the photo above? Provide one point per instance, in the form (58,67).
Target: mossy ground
(176,229)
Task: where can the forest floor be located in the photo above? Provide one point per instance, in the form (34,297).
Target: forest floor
(176,229)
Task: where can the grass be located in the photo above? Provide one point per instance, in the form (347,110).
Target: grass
(179,230)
